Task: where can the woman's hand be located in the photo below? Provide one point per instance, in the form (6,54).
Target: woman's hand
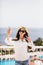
(8,33)
(28,39)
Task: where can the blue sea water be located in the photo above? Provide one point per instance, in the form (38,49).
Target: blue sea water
(7,62)
(11,62)
(41,57)
(33,33)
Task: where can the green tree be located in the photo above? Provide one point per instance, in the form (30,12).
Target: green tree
(38,42)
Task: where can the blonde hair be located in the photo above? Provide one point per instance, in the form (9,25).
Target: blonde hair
(23,28)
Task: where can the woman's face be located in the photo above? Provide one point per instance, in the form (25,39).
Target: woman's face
(21,33)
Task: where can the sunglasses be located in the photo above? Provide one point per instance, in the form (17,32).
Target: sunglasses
(22,31)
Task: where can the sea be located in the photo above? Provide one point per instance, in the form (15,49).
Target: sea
(33,33)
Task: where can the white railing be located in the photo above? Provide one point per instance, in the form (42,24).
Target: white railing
(12,56)
(6,56)
(39,47)
(4,46)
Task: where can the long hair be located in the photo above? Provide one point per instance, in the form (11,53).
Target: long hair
(18,36)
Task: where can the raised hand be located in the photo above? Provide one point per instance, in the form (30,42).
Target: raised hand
(8,32)
(28,39)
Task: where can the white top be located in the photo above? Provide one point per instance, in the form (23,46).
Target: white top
(20,48)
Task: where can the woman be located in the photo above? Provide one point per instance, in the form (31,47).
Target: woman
(20,43)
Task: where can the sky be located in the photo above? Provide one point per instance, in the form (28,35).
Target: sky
(16,13)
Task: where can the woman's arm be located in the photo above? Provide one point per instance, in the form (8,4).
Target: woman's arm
(8,39)
(8,33)
(30,44)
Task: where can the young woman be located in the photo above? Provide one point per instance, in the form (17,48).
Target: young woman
(20,43)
